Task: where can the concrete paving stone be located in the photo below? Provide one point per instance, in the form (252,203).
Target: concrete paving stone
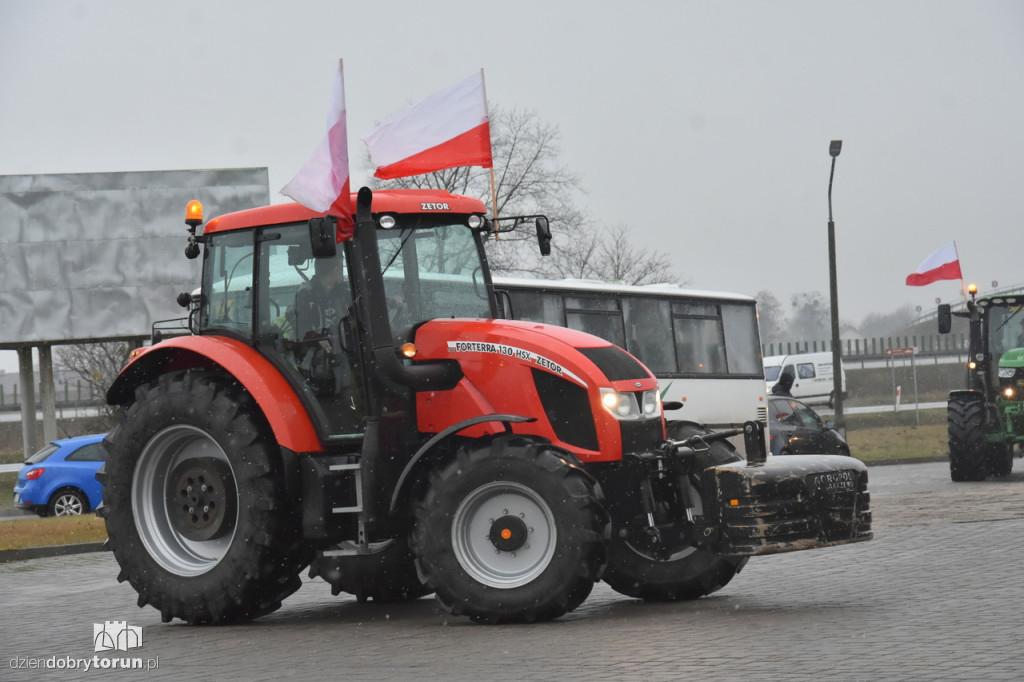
(934,597)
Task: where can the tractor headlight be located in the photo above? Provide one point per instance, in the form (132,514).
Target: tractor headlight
(1007,372)
(631,405)
(1008,392)
(652,400)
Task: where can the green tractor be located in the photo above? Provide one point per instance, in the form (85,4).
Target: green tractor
(986,420)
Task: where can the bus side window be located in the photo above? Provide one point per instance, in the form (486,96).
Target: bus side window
(649,332)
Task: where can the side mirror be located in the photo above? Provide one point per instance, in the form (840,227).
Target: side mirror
(945,318)
(323,236)
(670,405)
(544,236)
(504,304)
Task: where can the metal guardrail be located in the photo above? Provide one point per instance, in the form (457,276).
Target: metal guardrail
(875,348)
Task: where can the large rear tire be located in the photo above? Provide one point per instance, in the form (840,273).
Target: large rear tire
(687,572)
(194,502)
(510,531)
(965,419)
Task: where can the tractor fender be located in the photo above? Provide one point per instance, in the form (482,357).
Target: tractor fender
(278,401)
(965,394)
(506,419)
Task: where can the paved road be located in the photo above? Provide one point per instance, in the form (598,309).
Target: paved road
(936,596)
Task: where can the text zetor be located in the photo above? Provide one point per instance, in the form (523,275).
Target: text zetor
(333,404)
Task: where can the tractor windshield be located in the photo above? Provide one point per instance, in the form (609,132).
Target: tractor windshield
(1005,329)
(433,272)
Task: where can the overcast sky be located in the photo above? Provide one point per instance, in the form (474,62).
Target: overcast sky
(703,126)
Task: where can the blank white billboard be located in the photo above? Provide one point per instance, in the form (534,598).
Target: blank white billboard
(100,256)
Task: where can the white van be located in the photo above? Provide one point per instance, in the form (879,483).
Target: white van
(812,375)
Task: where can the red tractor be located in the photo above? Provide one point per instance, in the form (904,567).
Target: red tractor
(347,401)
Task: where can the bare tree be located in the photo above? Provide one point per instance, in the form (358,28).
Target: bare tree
(810,317)
(530,179)
(611,256)
(97,365)
(771,318)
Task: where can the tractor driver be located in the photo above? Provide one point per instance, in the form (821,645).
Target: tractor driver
(319,305)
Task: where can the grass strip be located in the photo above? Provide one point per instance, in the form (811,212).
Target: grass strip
(59,530)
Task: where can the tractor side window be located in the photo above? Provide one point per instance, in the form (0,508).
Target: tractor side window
(306,328)
(227,281)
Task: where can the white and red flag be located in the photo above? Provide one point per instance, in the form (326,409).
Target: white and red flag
(447,129)
(943,264)
(323,182)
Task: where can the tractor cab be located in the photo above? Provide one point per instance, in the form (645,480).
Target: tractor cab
(271,281)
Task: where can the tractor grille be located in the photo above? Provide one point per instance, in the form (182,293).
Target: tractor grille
(641,435)
(567,407)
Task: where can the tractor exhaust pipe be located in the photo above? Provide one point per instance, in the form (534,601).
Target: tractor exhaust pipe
(373,314)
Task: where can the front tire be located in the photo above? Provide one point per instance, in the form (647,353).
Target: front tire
(687,572)
(510,531)
(965,418)
(194,504)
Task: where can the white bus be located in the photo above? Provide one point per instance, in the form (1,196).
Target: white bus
(703,346)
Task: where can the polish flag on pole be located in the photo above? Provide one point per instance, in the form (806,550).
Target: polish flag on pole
(447,129)
(323,183)
(943,264)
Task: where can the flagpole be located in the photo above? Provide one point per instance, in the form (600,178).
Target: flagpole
(494,189)
(963,286)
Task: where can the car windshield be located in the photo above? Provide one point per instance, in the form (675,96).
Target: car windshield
(42,454)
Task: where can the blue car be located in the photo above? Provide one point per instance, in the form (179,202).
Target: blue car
(60,479)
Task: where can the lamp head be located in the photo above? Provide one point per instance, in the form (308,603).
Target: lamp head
(835,147)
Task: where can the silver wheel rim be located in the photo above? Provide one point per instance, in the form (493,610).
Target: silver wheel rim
(471,535)
(170,449)
(67,504)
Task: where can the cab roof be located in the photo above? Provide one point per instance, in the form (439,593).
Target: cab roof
(384,201)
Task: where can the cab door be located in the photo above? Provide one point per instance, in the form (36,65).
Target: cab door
(307,330)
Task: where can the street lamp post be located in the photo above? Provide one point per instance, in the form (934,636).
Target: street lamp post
(837,352)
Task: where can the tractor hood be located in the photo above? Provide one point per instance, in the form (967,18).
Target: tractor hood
(1012,358)
(498,344)
(577,390)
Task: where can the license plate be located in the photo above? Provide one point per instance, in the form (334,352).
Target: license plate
(833,482)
